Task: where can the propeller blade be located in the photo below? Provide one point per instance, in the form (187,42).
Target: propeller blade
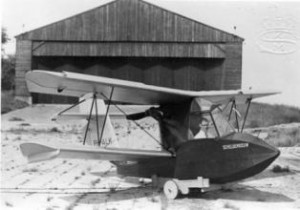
(137,116)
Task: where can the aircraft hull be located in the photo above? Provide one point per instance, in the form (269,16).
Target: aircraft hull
(232,158)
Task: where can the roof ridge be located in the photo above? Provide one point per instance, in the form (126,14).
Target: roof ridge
(162,9)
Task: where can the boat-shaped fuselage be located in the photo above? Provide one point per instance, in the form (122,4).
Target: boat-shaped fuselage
(231,158)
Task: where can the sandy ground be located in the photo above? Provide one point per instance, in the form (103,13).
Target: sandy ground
(91,184)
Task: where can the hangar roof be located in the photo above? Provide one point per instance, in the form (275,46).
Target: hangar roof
(129,21)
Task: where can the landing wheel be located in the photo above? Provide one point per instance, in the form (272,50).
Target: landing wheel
(171,189)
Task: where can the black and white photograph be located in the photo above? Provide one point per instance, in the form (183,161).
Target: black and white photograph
(150,104)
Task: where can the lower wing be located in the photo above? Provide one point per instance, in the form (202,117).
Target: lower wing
(38,152)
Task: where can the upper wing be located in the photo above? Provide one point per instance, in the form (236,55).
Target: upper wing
(74,84)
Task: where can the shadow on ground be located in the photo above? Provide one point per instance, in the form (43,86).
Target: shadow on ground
(243,193)
(238,193)
(113,196)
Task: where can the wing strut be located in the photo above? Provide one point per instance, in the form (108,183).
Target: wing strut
(236,116)
(97,120)
(214,122)
(107,109)
(234,107)
(94,102)
(246,114)
(89,120)
(231,108)
(67,109)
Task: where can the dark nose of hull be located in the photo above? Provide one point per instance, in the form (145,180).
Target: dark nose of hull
(232,158)
(260,153)
(261,160)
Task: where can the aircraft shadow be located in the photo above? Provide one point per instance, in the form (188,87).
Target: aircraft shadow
(242,193)
(235,191)
(270,174)
(119,195)
(239,193)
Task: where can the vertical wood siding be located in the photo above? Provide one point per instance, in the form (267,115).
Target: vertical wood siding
(130,49)
(233,67)
(130,20)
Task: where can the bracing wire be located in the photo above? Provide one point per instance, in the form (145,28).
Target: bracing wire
(136,123)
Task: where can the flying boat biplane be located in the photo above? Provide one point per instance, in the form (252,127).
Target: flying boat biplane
(198,146)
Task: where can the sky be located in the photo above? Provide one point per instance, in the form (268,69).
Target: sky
(271,50)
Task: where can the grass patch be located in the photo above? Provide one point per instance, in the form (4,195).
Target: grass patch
(15,119)
(230,206)
(18,138)
(264,115)
(9,103)
(113,187)
(30,170)
(55,130)
(284,136)
(8,204)
(95,182)
(49,198)
(261,115)
(280,169)
(154,199)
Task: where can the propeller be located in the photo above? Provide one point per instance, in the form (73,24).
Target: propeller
(156,113)
(137,116)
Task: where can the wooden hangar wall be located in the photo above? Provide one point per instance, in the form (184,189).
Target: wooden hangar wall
(132,40)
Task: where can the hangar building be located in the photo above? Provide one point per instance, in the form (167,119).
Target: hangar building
(132,40)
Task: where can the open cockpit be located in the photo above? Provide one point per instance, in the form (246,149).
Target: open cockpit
(209,120)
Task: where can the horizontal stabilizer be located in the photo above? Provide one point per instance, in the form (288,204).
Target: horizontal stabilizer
(38,152)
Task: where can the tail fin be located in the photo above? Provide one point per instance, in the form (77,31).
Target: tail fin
(108,136)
